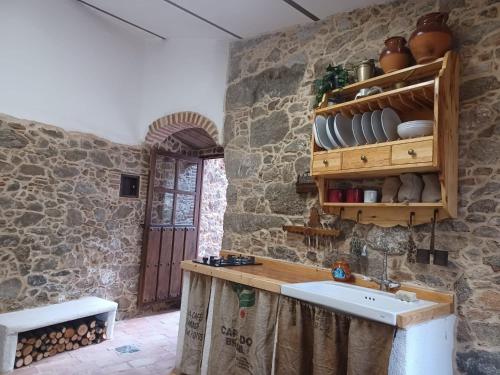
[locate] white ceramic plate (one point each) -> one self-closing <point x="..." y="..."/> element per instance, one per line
<point x="377" y="126"/>
<point x="316" y="138"/>
<point x="366" y="126"/>
<point x="390" y="122"/>
<point x="414" y="129"/>
<point x="330" y="131"/>
<point x="357" y="130"/>
<point x="320" y="123"/>
<point x="343" y="130"/>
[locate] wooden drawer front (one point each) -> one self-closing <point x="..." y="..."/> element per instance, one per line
<point x="366" y="158"/>
<point x="413" y="152"/>
<point x="326" y="163"/>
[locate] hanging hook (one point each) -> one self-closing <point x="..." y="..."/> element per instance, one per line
<point x="341" y="213"/>
<point x="412" y="216"/>
<point x="357" y="216"/>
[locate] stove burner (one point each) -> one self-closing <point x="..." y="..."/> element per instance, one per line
<point x="230" y="260"/>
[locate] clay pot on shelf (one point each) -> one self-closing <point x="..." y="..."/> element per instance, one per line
<point x="432" y="38"/>
<point x="395" y="55"/>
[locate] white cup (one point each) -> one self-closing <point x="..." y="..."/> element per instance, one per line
<point x="370" y="196"/>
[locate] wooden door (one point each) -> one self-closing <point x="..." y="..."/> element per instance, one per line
<point x="171" y="224"/>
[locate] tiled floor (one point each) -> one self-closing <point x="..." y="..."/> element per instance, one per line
<point x="155" y="337"/>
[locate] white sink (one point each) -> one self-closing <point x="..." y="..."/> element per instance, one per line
<point x="363" y="302"/>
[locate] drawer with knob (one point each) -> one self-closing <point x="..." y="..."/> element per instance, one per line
<point x="366" y="157"/>
<point x="412" y="152"/>
<point x="326" y="163"/>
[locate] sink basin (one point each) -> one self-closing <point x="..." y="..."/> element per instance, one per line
<point x="364" y="302"/>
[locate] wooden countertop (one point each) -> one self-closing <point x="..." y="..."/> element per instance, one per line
<point x="273" y="273"/>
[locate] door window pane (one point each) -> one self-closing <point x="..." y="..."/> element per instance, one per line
<point x="187" y="176"/>
<point x="161" y="213"/>
<point x="165" y="172"/>
<point x="184" y="209"/>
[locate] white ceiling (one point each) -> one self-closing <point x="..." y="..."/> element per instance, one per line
<point x="245" y="18"/>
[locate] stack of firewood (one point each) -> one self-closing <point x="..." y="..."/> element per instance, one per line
<point x="46" y="342"/>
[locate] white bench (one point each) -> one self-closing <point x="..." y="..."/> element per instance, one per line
<point x="15" y="322"/>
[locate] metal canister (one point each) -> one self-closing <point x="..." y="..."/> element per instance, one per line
<point x="365" y="70"/>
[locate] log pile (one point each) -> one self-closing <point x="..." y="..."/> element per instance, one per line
<point x="46" y="342"/>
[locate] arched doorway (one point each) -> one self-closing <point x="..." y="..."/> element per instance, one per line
<point x="186" y="202"/>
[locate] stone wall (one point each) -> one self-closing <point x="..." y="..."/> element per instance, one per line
<point x="64" y="231"/>
<point x="213" y="206"/>
<point x="267" y="143"/>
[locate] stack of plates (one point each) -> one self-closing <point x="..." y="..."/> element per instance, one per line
<point x="370" y="127"/>
<point x="341" y="131"/>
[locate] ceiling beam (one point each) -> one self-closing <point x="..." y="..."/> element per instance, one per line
<point x="202" y="19"/>
<point x="122" y="19"/>
<point x="301" y="9"/>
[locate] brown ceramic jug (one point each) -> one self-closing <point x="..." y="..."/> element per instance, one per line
<point x="395" y="55"/>
<point x="432" y="38"/>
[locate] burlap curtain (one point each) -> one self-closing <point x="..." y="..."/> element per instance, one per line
<point x="243" y="330"/>
<point x="316" y="341"/>
<point x="196" y="322"/>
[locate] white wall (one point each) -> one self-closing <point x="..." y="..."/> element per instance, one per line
<point x="185" y="75"/>
<point x="64" y="64"/>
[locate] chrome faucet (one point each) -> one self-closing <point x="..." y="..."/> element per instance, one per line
<point x="384" y="282"/>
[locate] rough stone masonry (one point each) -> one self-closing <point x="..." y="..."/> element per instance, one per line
<point x="267" y="143"/>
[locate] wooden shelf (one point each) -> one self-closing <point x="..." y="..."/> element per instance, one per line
<point x="374" y="205"/>
<point x="409" y="74"/>
<point x="388" y="143"/>
<point x="432" y="94"/>
<point x="417" y="97"/>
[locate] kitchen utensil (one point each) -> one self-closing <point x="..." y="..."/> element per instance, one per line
<point x="354" y="195"/>
<point x="330" y="132"/>
<point x="411" y="255"/>
<point x="440" y="257"/>
<point x="343" y="130"/>
<point x="417" y="128"/>
<point x="336" y="195"/>
<point x="320" y="123"/>
<point x="357" y="129"/>
<point x="365" y="70"/>
<point x="370" y="196"/>
<point x="366" y="126"/>
<point x="390" y="122"/>
<point x="377" y="126"/>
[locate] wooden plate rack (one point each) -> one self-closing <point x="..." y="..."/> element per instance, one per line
<point x="431" y="93"/>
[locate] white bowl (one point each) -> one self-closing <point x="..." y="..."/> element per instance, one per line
<point x="343" y="130"/>
<point x="414" y="129"/>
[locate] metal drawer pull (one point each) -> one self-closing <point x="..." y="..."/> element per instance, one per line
<point x="364" y="158"/>
<point x="412" y="152"/>
<point x="325" y="162"/>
